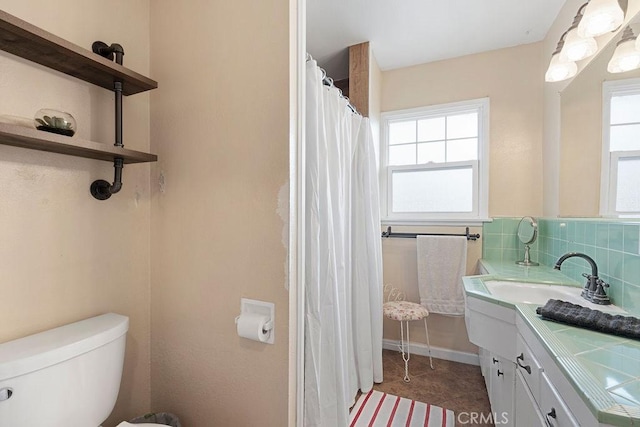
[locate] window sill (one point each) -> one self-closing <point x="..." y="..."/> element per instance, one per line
<point x="451" y="222"/>
<point x="629" y="217"/>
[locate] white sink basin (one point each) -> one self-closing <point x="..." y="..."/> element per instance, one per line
<point x="538" y="293"/>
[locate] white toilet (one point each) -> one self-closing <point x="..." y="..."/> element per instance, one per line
<point x="64" y="377"/>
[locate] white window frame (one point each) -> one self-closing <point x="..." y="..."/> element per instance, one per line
<point x="480" y="167"/>
<point x="609" y="165"/>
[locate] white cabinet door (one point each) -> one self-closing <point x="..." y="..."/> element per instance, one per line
<point x="492" y="378"/>
<point x="485" y="368"/>
<point x="527" y="413"/>
<point x="502" y="390"/>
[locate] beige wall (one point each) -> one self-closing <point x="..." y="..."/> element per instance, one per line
<point x="564" y="193"/>
<point x="581" y="141"/>
<point x="64" y="255"/>
<point x="511" y="79"/>
<point x="220" y="127"/>
<point x="401" y="271"/>
<point x="580" y="148"/>
<point x="551" y="127"/>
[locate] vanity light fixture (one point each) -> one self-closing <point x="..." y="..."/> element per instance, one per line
<point x="593" y="18"/>
<point x="600" y="17"/>
<point x="626" y="56"/>
<point x="560" y="69"/>
<point x="577" y="47"/>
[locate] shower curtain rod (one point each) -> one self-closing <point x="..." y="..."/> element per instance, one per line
<point x="328" y="81"/>
<point x="389" y="233"/>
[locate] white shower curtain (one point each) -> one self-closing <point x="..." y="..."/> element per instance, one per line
<point x="343" y="258"/>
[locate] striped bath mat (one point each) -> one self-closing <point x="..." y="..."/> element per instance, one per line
<point x="376" y="409"/>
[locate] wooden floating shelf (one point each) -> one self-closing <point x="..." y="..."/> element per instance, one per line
<point x="30" y="42"/>
<point x="24" y="137"/>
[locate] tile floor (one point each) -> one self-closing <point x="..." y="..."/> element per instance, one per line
<point x="456" y="386"/>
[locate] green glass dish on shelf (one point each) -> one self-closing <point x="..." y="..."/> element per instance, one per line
<point x="56" y="122"/>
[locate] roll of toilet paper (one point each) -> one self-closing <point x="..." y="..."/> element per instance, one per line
<point x="251" y="326"/>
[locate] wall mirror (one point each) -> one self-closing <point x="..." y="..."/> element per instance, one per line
<point x="527" y="233"/>
<point x="582" y="131"/>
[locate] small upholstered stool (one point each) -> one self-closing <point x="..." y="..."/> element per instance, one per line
<point x="404" y="312"/>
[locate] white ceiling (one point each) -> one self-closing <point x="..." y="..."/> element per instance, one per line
<point x="409" y="32"/>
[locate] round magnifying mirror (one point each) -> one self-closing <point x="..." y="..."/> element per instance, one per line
<point x="527" y="233"/>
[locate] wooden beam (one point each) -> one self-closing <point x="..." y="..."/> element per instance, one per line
<point x="359" y="77"/>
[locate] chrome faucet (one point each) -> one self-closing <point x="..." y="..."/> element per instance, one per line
<point x="594" y="288"/>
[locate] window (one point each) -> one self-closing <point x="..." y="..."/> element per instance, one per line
<point x="435" y="163"/>
<point x="620" y="188"/>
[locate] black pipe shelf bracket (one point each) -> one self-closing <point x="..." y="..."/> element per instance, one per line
<point x="101" y="189"/>
<point x="102" y="66"/>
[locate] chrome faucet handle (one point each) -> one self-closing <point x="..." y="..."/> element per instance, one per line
<point x="590" y="280"/>
<point x="600" y="296"/>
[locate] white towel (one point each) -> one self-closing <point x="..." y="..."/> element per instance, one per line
<point x="442" y="261"/>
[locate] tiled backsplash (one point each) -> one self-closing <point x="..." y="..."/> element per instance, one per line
<point x="500" y="241"/>
<point x="614" y="245"/>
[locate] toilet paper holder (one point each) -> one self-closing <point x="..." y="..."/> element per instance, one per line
<point x="263" y="308"/>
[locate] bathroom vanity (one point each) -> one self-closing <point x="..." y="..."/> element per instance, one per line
<point x="541" y="373"/>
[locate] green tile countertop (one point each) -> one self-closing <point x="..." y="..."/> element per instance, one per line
<point x="603" y="369"/>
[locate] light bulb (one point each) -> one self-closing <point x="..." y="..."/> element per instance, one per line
<point x="577" y="48"/>
<point x="629" y="63"/>
<point x="600" y="16"/>
<point x="560" y="70"/>
<point x="625" y="58"/>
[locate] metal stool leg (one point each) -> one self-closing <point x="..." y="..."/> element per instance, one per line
<point x="405" y="355"/>
<point x="426" y="329"/>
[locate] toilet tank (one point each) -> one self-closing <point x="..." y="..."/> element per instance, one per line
<point x="63" y="377"/>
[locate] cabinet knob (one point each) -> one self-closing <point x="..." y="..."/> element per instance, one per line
<point x="551" y="414"/>
<point x="5" y="393"/>
<point x="500" y="373"/>
<point x="527" y="367"/>
<point x="495" y="360"/>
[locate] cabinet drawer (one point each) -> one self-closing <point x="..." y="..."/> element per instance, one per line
<point x="529" y="366"/>
<point x="527" y="413"/>
<point x="552" y="405"/>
